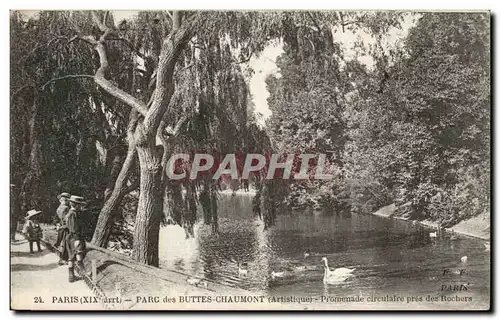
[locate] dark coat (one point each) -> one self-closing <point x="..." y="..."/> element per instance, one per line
<point x="75" y="242"/>
<point x="62" y="211"/>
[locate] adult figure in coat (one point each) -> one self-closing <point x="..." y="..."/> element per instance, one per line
<point x="75" y="241"/>
<point x="62" y="228"/>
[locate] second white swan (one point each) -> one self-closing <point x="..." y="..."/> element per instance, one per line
<point x="335" y="275"/>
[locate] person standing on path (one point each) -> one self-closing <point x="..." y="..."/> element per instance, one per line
<point x="62" y="230"/>
<point x="32" y="230"/>
<point x="75" y="242"/>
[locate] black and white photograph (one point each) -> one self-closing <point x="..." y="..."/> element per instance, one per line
<point x="283" y="160"/>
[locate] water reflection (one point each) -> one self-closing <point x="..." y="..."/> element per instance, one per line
<point x="390" y="256"/>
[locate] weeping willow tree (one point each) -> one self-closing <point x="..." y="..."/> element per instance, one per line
<point x="217" y="125"/>
<point x="174" y="47"/>
<point x="58" y="120"/>
<point x="270" y="194"/>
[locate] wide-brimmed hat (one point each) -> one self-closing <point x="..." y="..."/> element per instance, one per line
<point x="31" y="213"/>
<point x="64" y="195"/>
<point x="77" y="199"/>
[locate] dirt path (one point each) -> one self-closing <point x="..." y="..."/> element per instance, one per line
<point x="37" y="276"/>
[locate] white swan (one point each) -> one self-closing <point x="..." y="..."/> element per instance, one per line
<point x="300" y="268"/>
<point x="197" y="281"/>
<point x="277" y="274"/>
<point x="243" y="269"/>
<point x="433" y="234"/>
<point x="487" y="246"/>
<point x="453" y="236"/>
<point x="463" y="259"/>
<point x="336" y="275"/>
<point x="194" y="281"/>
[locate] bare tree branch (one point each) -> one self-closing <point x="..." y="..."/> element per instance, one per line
<point x="89" y="39"/>
<point x="312" y="45"/>
<point x="100" y="76"/>
<point x="345" y="24"/>
<point x="189" y="66"/>
<point x="106" y="13"/>
<point x="151" y="98"/>
<point x="351" y="22"/>
<point x="171" y="49"/>
<point x="303" y="25"/>
<point x="134" y="185"/>
<point x="176" y="20"/>
<point x="341" y="18"/>
<point x="100" y="24"/>
<point x="107" y="85"/>
<point x="191" y="61"/>
<point x="67" y="77"/>
<point x="178" y="126"/>
<point x="314" y="21"/>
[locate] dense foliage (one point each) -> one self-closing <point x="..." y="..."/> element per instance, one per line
<point x="411" y="129"/>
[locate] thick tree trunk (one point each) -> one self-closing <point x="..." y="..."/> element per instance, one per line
<point x="150" y="207"/>
<point x="149" y="211"/>
<point x="14" y="210"/>
<point x="31" y="190"/>
<point x="103" y="227"/>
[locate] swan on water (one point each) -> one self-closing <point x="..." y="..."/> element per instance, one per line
<point x="453" y="235"/>
<point x="433" y="234"/>
<point x="196" y="281"/>
<point x="463" y="259"/>
<point x="243" y="269"/>
<point x="307" y="254"/>
<point x="277" y="274"/>
<point x="300" y="268"/>
<point x="336" y="275"/>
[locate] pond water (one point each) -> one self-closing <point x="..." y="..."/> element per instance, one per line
<point x="391" y="257"/>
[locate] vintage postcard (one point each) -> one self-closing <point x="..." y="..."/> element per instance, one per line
<point x="250" y="160"/>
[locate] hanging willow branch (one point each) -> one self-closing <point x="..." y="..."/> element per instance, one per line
<point x="71" y="76"/>
<point x="20" y="90"/>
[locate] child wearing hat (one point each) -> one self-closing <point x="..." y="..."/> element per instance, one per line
<point x="75" y="241"/>
<point x="32" y="230"/>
